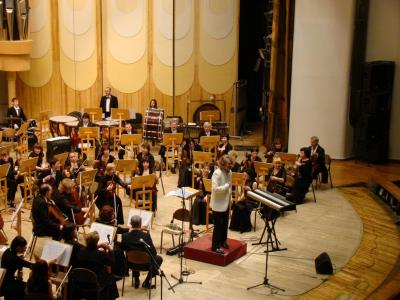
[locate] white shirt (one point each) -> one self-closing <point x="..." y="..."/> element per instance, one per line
<point x="17" y="109"/>
<point x="108" y="100"/>
<point x="221" y="190"/>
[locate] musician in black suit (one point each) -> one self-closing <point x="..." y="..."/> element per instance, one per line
<point x="318" y="158"/>
<point x="52" y="176"/>
<point x="43" y="225"/>
<point x="85" y="121"/>
<point x="206" y="130"/>
<point x="127" y="130"/>
<point x="132" y="241"/>
<point x="107" y="102"/>
<point x="17" y="112"/>
<point x="172" y="129"/>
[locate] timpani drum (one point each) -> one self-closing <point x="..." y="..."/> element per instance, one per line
<point x="153" y="124"/>
<point x="57" y="123"/>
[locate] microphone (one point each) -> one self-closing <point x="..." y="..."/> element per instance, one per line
<point x="108" y="238"/>
<point x="144" y="243"/>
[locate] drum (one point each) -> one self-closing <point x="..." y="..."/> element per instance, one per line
<point x="57" y="127"/>
<point x="70" y="128"/>
<point x="221" y="127"/>
<point x="153" y="124"/>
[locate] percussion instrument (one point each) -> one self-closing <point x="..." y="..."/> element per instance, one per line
<point x="153" y="124"/>
<point x="272" y="200"/>
<point x="57" y="145"/>
<point x="221" y="127"/>
<point x="57" y="123"/>
<point x="105" y="128"/>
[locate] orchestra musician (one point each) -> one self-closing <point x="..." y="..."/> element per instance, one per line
<point x="318" y="158"/>
<point x="242" y="208"/>
<point x="302" y="176"/>
<point x="13" y="287"/>
<point x="17" y="112"/>
<point x="275" y="147"/>
<point x="107" y="102"/>
<point x="220" y="199"/>
<point x="38" y="152"/>
<point x="12" y="177"/>
<point x="104" y="158"/>
<point x="224" y="147"/>
<point x="145" y="151"/>
<point x="145" y="169"/>
<point x="98" y="257"/>
<point x="132" y="241"/>
<point x="85" y="122"/>
<point x="249" y="160"/>
<point x="106" y="192"/>
<point x="276" y="175"/>
<point x="46" y="220"/>
<point x="127" y="130"/>
<point x="172" y="129"/>
<point x="65" y="201"/>
<point x="70" y="237"/>
<point x="52" y="175"/>
<point x="72" y="166"/>
<point x="206" y="130"/>
<point x="39" y="282"/>
<point x="199" y="207"/>
<point x="236" y="166"/>
<point x="153" y="103"/>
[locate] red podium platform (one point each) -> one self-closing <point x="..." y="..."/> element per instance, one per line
<point x="200" y="250"/>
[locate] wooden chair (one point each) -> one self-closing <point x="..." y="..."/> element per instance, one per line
<point x="199" y="159"/>
<point x="3" y="184"/>
<point x="85" y="280"/>
<point x="208" y="188"/>
<point x="88" y="136"/>
<point x="174" y="229"/>
<point x="22" y="149"/>
<point x="262" y="169"/>
<point x="328" y="162"/>
<point x="210" y="144"/>
<point x="172" y="143"/>
<point x="28" y="171"/>
<point x="43" y="132"/>
<point x="138" y="258"/>
<point x="143" y="188"/>
<point x="125" y="168"/>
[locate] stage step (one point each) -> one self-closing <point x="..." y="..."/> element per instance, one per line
<point x="200" y="250"/>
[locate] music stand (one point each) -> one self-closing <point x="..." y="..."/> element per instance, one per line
<point x="172" y="141"/>
<point x="210" y="115"/>
<point x="23" y="129"/>
<point x="132" y="140"/>
<point x="199" y="158"/>
<point x="3" y="180"/>
<point x="16" y="219"/>
<point x="95" y="113"/>
<point x="62" y="157"/>
<point x="182" y="273"/>
<point x="88" y="135"/>
<point x="126" y="166"/>
<point x="120" y="114"/>
<point x="86" y="179"/>
<point x="28" y="168"/>
<point x="210" y="143"/>
<point x="142" y="184"/>
<point x="262" y="169"/>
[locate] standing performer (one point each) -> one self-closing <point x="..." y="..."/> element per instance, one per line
<point x="220" y="198"/>
<point x="17" y="112"/>
<point x="107" y="102"/>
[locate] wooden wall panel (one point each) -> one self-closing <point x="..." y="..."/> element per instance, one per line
<point x="57" y="97"/>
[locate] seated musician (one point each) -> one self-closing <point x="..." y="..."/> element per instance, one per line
<point x="236" y="166"/>
<point x="17" y="112"/>
<point x="39" y="282"/>
<point x="199" y="207"/>
<point x="276" y="176"/>
<point x="206" y="130"/>
<point x="70" y="237"/>
<point x="127" y="130"/>
<point x="98" y="258"/>
<point x="44" y="222"/>
<point x="249" y="160"/>
<point x="302" y="176"/>
<point x="275" y="147"/>
<point x="38" y="152"/>
<point x="107" y="102"/>
<point x="131" y="241"/>
<point x="64" y="199"/>
<point x="13" y="286"/>
<point x="72" y="166"/>
<point x="52" y="175"/>
<point x="318" y="159"/>
<point x="144" y="150"/>
<point x="224" y="147"/>
<point x="185" y="168"/>
<point x="85" y="122"/>
<point x="145" y="169"/>
<point x="172" y="129"/>
<point x="12" y="177"/>
<point x="241" y="209"/>
<point x="104" y="158"/>
<point x="106" y="192"/>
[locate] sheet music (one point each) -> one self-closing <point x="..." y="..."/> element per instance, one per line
<point x="181" y="193"/>
<point x="60" y="252"/>
<point x="104" y="231"/>
<point x="144" y="214"/>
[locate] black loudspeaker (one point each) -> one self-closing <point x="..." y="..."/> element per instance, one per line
<point x="323" y="264"/>
<point x="57" y="145"/>
<point x="373" y="119"/>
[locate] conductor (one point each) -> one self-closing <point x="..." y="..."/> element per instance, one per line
<point x="220" y="198"/>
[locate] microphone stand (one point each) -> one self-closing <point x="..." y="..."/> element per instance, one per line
<point x="160" y="271"/>
<point x="162" y="182"/>
<point x="181" y="244"/>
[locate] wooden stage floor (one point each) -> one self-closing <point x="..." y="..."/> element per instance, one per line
<point x="346" y="222"/>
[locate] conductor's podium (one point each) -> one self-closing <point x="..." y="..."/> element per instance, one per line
<point x="200" y="250"/>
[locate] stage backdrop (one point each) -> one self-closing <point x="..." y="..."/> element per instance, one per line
<point x="81" y="47"/>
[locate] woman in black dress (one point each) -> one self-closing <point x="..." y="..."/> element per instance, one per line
<point x="303" y="176"/>
<point x="199" y="207"/>
<point x="13" y="287"/>
<point x="276" y="176"/>
<point x="39" y="283"/>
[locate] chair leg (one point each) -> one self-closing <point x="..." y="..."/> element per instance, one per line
<point x="255" y="220"/>
<point x="330" y="177"/>
<point x="313" y="191"/>
<point x="123" y="286"/>
<point x="162" y="234"/>
<point x="173" y="240"/>
<point x="32" y="249"/>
